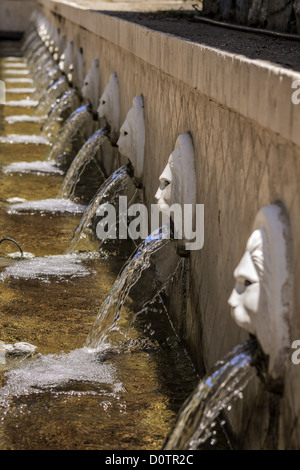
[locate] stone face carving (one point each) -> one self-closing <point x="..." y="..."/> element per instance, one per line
<point x="61" y="46"/>
<point x="109" y="107"/>
<point x="131" y="141"/>
<point x="178" y="179"/>
<point x="66" y="62"/>
<point x="43" y="30"/>
<point x="77" y="72"/>
<point x="261" y="301"/>
<point x="90" y="88"/>
<point x="52" y="32"/>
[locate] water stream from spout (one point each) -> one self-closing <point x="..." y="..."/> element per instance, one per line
<point x="84" y="156"/>
<point x="78" y="121"/>
<point x="50" y="96"/>
<point x="214" y="393"/>
<point x="65" y="106"/>
<point x="46" y="81"/>
<point x="109" y="312"/>
<point x="112" y="186"/>
<point x="42" y="65"/>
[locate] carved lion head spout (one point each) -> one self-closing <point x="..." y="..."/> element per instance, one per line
<point x="178" y="188"/>
<point x="261" y="300"/>
<point x="131" y="141"/>
<point x="90" y="88"/>
<point x="66" y="62"/>
<point x="178" y="179"/>
<point x="109" y="107"/>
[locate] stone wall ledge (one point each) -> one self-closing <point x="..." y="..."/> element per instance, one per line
<point x="256" y="89"/>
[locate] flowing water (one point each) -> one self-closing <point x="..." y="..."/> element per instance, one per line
<point x="68" y="395"/>
<point x="50" y="97"/>
<point x="197" y="418"/>
<point x="68" y="102"/>
<point x="80" y="122"/>
<point x="109" y="314"/>
<point x="113" y="187"/>
<point x="84" y="156"/>
<point x="46" y="81"/>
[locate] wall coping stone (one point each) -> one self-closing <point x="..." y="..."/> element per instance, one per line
<point x="259" y="90"/>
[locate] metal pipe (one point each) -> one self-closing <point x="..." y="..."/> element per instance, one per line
<point x="13" y="241"/>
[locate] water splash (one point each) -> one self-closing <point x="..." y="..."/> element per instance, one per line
<point x="114" y="184"/>
<point x="16" y="72"/>
<point x="15" y="65"/>
<point x="24" y="139"/>
<point x="78" y="121"/>
<point x="20" y="90"/>
<point x="109" y="312"/>
<point x="84" y="156"/>
<point x="60" y="266"/>
<point x="19" y="80"/>
<point x="55" y="372"/>
<point x="12" y="59"/>
<point x="24" y="118"/>
<point x="47" y="205"/>
<point x="213" y="394"/>
<point x="22" y="103"/>
<point x="37" y="167"/>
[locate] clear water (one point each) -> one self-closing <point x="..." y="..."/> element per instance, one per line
<point x="25" y="103"/>
<point x="39" y="167"/>
<point x="53" y="93"/>
<point x="45" y="81"/>
<point x="109" y="313"/>
<point x="21" y="90"/>
<point x="113" y="187"/>
<point x="24" y="118"/>
<point x="47" y="205"/>
<point x="60" y="266"/>
<point x="62" y="109"/>
<point x="214" y="393"/>
<point x="80" y="122"/>
<point x="84" y="156"/>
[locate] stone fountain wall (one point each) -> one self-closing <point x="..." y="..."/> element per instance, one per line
<point x="245" y="131"/>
